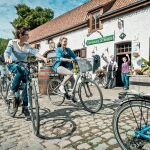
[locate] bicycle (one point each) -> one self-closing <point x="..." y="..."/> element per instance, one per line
<point x="86" y="89"/>
<point x="33" y="106"/>
<point x="131" y="121"/>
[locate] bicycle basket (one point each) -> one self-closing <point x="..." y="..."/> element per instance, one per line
<point x="84" y="65"/>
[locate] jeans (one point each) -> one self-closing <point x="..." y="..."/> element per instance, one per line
<point x="20" y="73"/>
<point x="125" y="79"/>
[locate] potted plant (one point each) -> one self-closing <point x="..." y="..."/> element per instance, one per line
<point x="100" y="72"/>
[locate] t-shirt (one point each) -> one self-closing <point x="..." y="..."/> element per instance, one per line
<point x="63" y="63"/>
<point x="17" y="53"/>
<point x="125" y="67"/>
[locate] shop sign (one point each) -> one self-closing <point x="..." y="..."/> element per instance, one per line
<point x="100" y="40"/>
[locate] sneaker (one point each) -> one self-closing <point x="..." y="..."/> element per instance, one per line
<point x="126" y="88"/>
<point x="62" y="90"/>
<point x="26" y="111"/>
<point x="11" y="95"/>
<point x="75" y="100"/>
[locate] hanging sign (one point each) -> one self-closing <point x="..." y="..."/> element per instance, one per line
<point x="100" y="40"/>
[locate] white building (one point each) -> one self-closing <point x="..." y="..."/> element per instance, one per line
<point x="97" y="25"/>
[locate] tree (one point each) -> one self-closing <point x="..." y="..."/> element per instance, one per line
<point x="32" y="18"/>
<point x="3" y="45"/>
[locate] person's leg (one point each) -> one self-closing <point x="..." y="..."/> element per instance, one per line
<point x="111" y="83"/>
<point x="67" y="75"/>
<point x="19" y="73"/>
<point x="108" y="79"/>
<point x="123" y="78"/>
<point x="127" y="81"/>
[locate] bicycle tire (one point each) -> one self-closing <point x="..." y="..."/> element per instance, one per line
<point x="119" y="130"/>
<point x="96" y="91"/>
<point x="34" y="109"/>
<point x="3" y="86"/>
<point x="55" y="97"/>
<point x="11" y="105"/>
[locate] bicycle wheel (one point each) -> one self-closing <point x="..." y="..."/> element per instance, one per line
<point x="54" y="95"/>
<point x="11" y="105"/>
<point x="34" y="107"/>
<point x="3" y="86"/>
<point x="129" y="118"/>
<point x="90" y="95"/>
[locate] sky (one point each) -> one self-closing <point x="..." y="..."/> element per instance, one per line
<point x="8" y="11"/>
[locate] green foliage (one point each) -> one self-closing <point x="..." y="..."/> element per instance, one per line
<point x="3" y="45"/>
<point x="75" y="68"/>
<point x="32" y="18"/>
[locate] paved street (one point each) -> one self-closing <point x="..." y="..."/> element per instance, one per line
<point x="66" y="127"/>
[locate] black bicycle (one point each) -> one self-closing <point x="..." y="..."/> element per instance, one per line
<point x="33" y="106"/>
<point x="89" y="92"/>
<point x="131" y="121"/>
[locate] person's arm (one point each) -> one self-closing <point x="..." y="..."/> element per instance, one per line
<point x="73" y="55"/>
<point x="7" y="52"/>
<point x="128" y="58"/>
<point x="116" y="66"/>
<point x="36" y="53"/>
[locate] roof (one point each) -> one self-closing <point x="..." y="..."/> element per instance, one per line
<point x="121" y="3"/>
<point x="72" y="18"/>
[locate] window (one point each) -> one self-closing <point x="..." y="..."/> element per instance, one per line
<point x="81" y="52"/>
<point x="95" y="20"/>
<point x="37" y="46"/>
<point x="123" y="48"/>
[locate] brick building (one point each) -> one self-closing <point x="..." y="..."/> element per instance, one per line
<point x="113" y="27"/>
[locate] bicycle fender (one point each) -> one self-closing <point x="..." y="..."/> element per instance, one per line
<point x="137" y="100"/>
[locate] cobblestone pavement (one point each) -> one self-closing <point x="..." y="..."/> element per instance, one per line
<point x="66" y="127"/>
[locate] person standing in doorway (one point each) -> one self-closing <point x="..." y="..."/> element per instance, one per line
<point x="125" y="72"/>
<point x="112" y="68"/>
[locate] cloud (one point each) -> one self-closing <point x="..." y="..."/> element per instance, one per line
<point x="8" y="11"/>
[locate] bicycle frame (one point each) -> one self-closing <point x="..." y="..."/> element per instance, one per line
<point x="141" y="133"/>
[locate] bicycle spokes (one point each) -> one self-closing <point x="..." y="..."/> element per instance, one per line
<point x="131" y="125"/>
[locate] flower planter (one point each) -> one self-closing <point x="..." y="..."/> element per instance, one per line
<point x="140" y="83"/>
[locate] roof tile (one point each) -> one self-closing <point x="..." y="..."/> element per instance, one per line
<point x="71" y="18"/>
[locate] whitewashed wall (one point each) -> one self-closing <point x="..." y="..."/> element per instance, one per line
<point x="135" y="23"/>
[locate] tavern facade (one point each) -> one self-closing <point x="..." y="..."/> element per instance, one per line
<point x="112" y="27"/>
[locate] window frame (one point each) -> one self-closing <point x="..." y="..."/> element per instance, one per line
<point x="100" y="24"/>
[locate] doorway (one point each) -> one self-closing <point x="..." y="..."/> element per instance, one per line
<point x="121" y="50"/>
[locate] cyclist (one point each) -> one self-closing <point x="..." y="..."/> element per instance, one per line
<point x="18" y="50"/>
<point x="63" y="64"/>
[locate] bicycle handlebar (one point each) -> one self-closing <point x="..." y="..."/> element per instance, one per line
<point x="26" y="62"/>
